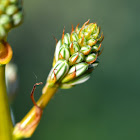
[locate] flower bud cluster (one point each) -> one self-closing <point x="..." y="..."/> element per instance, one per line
<point x="76" y="55"/>
<point x="11" y="15"/>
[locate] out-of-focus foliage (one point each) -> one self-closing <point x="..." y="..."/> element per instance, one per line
<point x="106" y="107"/>
<point x="11" y="80"/>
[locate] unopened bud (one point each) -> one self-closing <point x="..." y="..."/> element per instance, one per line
<point x="80" y="50"/>
<point x="5" y="21"/>
<point x="4" y="2"/>
<point x="64" y="52"/>
<point x="91" y="58"/>
<point x="17" y="18"/>
<point x="2" y="8"/>
<point x="11" y="9"/>
<point x="75" y="71"/>
<point x="67" y="38"/>
<point x="92" y="66"/>
<point x="58" y="72"/>
<point x="76" y="58"/>
<point x="3" y="33"/>
<point x="95" y="48"/>
<point x="13" y="1"/>
<point x="76" y="81"/>
<point x="96" y="33"/>
<point x="82" y="41"/>
<point x="74" y="37"/>
<point x="91" y="42"/>
<point x="85" y="50"/>
<point x="74" y="47"/>
<point x="93" y="28"/>
<point x="58" y="46"/>
<point x="77" y="30"/>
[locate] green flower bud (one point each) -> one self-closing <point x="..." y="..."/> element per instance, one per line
<point x="76" y="58"/>
<point x="93" y="28"/>
<point x="82" y="41"/>
<point x="80" y="50"/>
<point x="92" y="66"/>
<point x="58" y="46"/>
<point x="64" y="52"/>
<point x="5" y="20"/>
<point x="74" y="36"/>
<point x="95" y="48"/>
<point x="4" y="2"/>
<point x="67" y="38"/>
<point x="9" y="17"/>
<point x="11" y="9"/>
<point x="75" y="71"/>
<point x="3" y="33"/>
<point x="13" y="1"/>
<point x="2" y="8"/>
<point x="17" y="18"/>
<point x="76" y="81"/>
<point x="90" y="29"/>
<point x="86" y="29"/>
<point x="77" y="30"/>
<point x="91" y="58"/>
<point x="74" y="47"/>
<point x="85" y="50"/>
<point x="96" y="33"/>
<point x="91" y="42"/>
<point x="58" y="72"/>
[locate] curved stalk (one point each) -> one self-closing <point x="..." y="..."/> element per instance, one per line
<point x="5" y="117"/>
<point x="26" y="127"/>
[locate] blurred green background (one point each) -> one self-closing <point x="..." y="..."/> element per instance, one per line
<point x="106" y="107"/>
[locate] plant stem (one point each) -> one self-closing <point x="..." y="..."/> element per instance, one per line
<point x="42" y="102"/>
<point x="6" y="126"/>
<point x="20" y="130"/>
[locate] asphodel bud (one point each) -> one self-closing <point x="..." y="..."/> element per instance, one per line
<point x="64" y="52"/>
<point x="11" y="9"/>
<point x="92" y="66"/>
<point x="5" y="21"/>
<point x="85" y="50"/>
<point x="17" y="18"/>
<point x="58" y="72"/>
<point x="75" y="81"/>
<point x="96" y="48"/>
<point x="74" y="47"/>
<point x="91" y="42"/>
<point x="14" y="1"/>
<point x="67" y="38"/>
<point x="3" y="32"/>
<point x="76" y="56"/>
<point x="75" y="71"/>
<point x="74" y="36"/>
<point x="91" y="58"/>
<point x="11" y="15"/>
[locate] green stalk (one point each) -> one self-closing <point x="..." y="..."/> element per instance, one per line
<point x="6" y="126"/>
<point x="22" y="129"/>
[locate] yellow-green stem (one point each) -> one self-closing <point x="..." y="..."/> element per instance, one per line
<point x="42" y="102"/>
<point x="20" y="132"/>
<point x="6" y="126"/>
